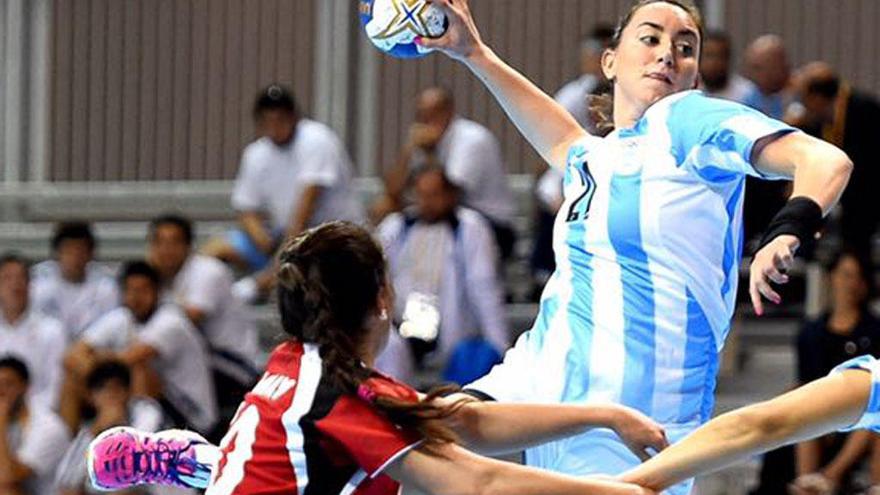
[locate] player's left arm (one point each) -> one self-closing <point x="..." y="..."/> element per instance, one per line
<point x="820" y="172"/>
<point x="789" y="418"/>
<point x="494" y="428"/>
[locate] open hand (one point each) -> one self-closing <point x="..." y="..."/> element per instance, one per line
<point x="771" y="264"/>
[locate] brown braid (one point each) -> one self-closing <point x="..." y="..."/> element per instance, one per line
<point x="329" y="279"/>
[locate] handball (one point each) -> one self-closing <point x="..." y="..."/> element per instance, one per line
<point x="393" y="25"/>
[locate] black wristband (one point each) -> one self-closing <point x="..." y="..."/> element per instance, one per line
<point x="800" y="217"/>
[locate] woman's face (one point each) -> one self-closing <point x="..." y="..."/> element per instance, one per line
<point x="657" y="55"/>
<point x="847" y="285"/>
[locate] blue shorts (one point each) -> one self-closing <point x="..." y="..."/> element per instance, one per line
<point x="249" y="252"/>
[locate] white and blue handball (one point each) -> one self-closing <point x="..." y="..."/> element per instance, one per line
<point x="393" y="25"/>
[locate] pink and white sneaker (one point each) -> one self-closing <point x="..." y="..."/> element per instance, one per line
<point x="123" y="457"/>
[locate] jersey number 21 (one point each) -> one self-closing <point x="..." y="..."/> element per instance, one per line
<point x="580" y="207"/>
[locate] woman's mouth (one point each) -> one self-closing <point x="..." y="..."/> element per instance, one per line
<point x="659" y="76"/>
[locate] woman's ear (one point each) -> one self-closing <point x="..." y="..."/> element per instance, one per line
<point x="609" y="64"/>
<point x="383" y="303"/>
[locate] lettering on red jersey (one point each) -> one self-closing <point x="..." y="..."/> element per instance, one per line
<point x="297" y="433"/>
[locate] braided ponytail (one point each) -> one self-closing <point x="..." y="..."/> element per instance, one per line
<point x="330" y="278"/>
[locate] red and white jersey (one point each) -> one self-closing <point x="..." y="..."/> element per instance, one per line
<point x="296" y="433"/>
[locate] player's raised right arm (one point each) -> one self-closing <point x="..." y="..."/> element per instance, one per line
<point x="544" y="123"/>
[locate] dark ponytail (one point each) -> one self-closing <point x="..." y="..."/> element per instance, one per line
<point x="330" y="278"/>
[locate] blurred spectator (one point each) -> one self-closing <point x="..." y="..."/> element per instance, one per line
<point x="33" y="438"/>
<point x="715" y="71"/>
<point x="444" y="267"/>
<point x="397" y="360"/>
<point x="296" y="175"/>
<point x="167" y="356"/>
<point x="835" y="112"/>
<point x="202" y="287"/>
<point x="109" y="395"/>
<point x="766" y="66"/>
<point x="471" y="156"/>
<point x="34" y="338"/>
<point x="847" y="330"/>
<point x="575" y="95"/>
<point x="71" y="287"/>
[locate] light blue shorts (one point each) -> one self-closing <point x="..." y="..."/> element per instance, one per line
<point x="597" y="451"/>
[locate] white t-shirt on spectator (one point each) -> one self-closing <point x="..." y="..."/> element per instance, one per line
<point x="183" y="363"/>
<point x="471" y="156"/>
<point x="272" y="178"/>
<point x="39" y="341"/>
<point x="459" y="267"/>
<point x="206" y="284"/>
<point x="39" y="444"/>
<point x="76" y="305"/>
<point x="574" y="97"/>
<point x="736" y="89"/>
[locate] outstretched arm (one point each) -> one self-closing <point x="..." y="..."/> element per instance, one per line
<point x="819" y="407"/>
<point x="548" y="127"/>
<point x="493" y="428"/>
<point x="453" y="470"/>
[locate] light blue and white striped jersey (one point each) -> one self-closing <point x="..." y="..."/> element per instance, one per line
<point x="647" y="245"/>
<point x="871" y="416"/>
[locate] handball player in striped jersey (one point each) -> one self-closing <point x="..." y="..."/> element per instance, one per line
<point x="648" y="241"/>
<point x="322" y="421"/>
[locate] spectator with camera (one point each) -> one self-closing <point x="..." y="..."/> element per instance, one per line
<point x="443" y="264"/>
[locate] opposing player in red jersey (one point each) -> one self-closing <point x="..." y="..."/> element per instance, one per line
<point x="322" y="421"/>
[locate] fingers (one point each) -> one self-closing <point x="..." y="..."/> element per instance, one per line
<point x="755" y="296"/>
<point x="639" y="451"/>
<point x="775" y="274"/>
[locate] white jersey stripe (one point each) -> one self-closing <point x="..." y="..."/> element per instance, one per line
<point x="353" y="483"/>
<point x="309" y="377"/>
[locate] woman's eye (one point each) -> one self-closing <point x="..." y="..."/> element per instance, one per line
<point x="650" y="39"/>
<point x="686" y="49"/>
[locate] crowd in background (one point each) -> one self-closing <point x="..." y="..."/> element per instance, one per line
<point x="170" y="341"/>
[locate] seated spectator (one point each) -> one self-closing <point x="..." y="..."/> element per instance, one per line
<point x="71" y="287"/>
<point x="444" y="267"/>
<point x="575" y="95"/>
<point x="202" y="287"/>
<point x="33" y="438"/>
<point x="766" y="65"/>
<point x="836" y="112"/>
<point x="30" y="336"/>
<point x="847" y="330"/>
<point x="716" y="75"/>
<point x="296" y="175"/>
<point x="165" y="352"/>
<point x="472" y="159"/>
<point x="109" y="395"/>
